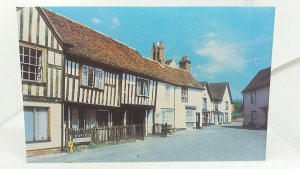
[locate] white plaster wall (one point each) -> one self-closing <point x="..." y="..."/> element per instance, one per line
<point x="194" y="99"/>
<point x="55" y="123"/>
<point x="222" y="106"/>
<point x="262" y="99"/>
<point x="161" y="101"/>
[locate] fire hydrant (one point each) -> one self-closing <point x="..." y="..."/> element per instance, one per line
<point x="71" y="146"/>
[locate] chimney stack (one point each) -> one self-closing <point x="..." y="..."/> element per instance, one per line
<point x="185" y="63"/>
<point x="158" y="52"/>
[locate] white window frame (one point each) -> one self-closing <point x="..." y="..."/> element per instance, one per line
<point x="97" y="77"/>
<point x="34" y="68"/>
<point x="167" y="116"/>
<point x="204" y="100"/>
<point x="226" y="105"/>
<point x="190" y="115"/>
<point x="184" y="94"/>
<point x="142" y="87"/>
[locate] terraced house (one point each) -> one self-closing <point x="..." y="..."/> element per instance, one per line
<point x="74" y="77"/>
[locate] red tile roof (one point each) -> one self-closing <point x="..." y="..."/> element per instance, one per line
<point x="82" y="41"/>
<point x="261" y="79"/>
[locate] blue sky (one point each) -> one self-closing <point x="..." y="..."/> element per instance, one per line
<point x="223" y="43"/>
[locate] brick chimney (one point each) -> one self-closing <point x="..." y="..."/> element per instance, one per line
<point x="185" y="63"/>
<point x="158" y="52"/>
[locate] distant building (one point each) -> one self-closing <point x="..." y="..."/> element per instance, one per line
<point x="256" y="99"/>
<point x="217" y="103"/>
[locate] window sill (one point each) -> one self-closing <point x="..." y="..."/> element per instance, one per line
<point x="142" y="96"/>
<point x="92" y="88"/>
<point x="38" y="141"/>
<point x="33" y="82"/>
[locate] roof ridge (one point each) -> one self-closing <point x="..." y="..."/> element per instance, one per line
<point x="90" y="28"/>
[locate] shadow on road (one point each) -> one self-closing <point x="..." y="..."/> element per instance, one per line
<point x="242" y="127"/>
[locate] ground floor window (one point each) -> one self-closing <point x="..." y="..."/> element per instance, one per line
<point x="167" y="116"/>
<point x="190" y="115"/>
<point x="36" y="124"/>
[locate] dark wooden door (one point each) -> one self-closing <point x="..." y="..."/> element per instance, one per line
<point x="197" y="120"/>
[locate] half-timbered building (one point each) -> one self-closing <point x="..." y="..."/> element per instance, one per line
<point x="41" y="63"/>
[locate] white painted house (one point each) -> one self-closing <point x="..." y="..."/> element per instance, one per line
<point x="178" y="103"/>
<point x="256" y="99"/>
<point x="220" y="103"/>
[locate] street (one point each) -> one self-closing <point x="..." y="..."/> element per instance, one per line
<point x="212" y="143"/>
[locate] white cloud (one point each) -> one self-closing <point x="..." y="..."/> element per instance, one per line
<point x="223" y="56"/>
<point x="96" y="21"/>
<point x="115" y="22"/>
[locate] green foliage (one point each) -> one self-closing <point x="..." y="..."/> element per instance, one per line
<point x="238" y="109"/>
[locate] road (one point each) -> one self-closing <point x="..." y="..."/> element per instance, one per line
<point x="221" y="143"/>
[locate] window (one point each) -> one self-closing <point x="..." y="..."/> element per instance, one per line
<point x="31" y="64"/>
<point x="205" y="103"/>
<point x="167" y="116"/>
<point x="167" y="92"/>
<point x="142" y="87"/>
<point x="190" y="115"/>
<point x="216" y="106"/>
<point x="253" y="96"/>
<point x="184" y="94"/>
<point x="92" y="77"/>
<point x="36" y="124"/>
<point x="226" y="105"/>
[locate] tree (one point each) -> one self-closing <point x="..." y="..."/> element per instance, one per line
<point x="238" y="108"/>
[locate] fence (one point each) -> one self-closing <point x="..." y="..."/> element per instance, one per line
<point x="104" y="134"/>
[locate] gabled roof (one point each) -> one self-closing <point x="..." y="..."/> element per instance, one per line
<point x="81" y="41"/>
<point x="261" y="79"/>
<point x="217" y="90"/>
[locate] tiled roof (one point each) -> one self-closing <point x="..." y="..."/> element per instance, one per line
<point x="167" y="62"/>
<point x="261" y="79"/>
<point x="84" y="42"/>
<point x="217" y="90"/>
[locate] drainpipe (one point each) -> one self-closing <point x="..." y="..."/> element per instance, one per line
<point x="174" y="106"/>
<point x="62" y="95"/>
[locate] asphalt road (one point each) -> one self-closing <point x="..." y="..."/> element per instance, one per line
<point x="213" y="143"/>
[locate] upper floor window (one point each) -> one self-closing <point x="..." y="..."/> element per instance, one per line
<point x="226" y="105"/>
<point x="216" y="106"/>
<point x="204" y="103"/>
<point x="92" y="77"/>
<point x="31" y="64"/>
<point x="184" y="94"/>
<point x="253" y="96"/>
<point x="167" y="92"/>
<point x="142" y="87"/>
